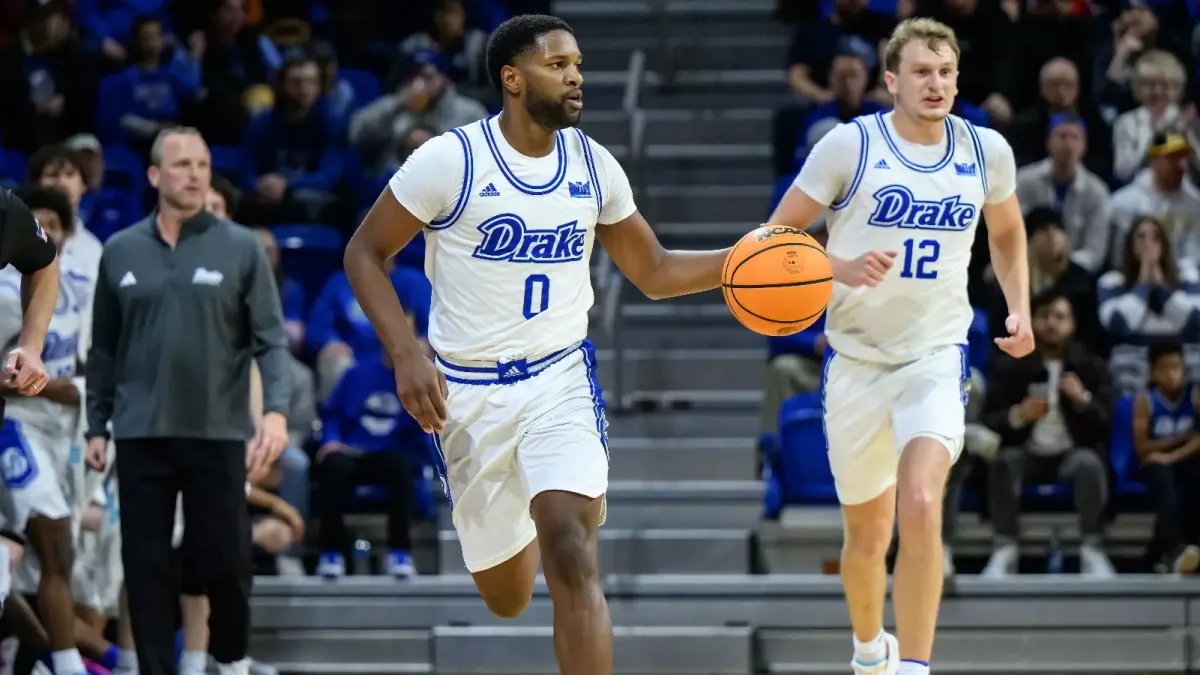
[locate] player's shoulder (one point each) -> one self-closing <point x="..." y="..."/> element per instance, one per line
<point x="846" y="137"/>
<point x="990" y="140"/>
<point x="592" y="146"/>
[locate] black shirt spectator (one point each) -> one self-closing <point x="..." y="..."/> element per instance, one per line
<point x="850" y="29"/>
<point x="985" y="36"/>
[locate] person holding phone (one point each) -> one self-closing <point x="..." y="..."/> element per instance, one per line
<point x="1051" y="411"/>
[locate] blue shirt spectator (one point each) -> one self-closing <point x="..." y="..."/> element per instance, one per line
<point x="113" y="19"/>
<point x="364" y="414"/>
<point x="336" y="316"/>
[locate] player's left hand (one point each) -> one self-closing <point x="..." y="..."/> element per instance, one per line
<point x="269" y="441"/>
<point x="1019" y="342"/>
<point x="25" y="371"/>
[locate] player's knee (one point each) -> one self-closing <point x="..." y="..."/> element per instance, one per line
<point x="868" y="541"/>
<point x="566" y="556"/>
<point x="919" y="511"/>
<point x="508" y="604"/>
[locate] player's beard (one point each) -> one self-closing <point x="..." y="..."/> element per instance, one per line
<point x="548" y="112"/>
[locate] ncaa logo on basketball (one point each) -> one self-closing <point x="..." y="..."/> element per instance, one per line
<point x="767" y="232"/>
<point x="896" y="206"/>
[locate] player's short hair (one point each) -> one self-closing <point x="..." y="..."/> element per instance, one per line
<point x="50" y="157"/>
<point x="1159" y="350"/>
<point x="48" y="199"/>
<point x="934" y="34"/>
<point x="515" y="37"/>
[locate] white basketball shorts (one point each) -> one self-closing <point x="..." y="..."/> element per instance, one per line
<point x="514" y="430"/>
<point x="873" y="410"/>
<point x="33" y="464"/>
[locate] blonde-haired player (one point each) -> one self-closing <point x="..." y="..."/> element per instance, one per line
<point x="901" y="224"/>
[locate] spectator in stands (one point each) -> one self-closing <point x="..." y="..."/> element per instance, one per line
<point x="1060" y="182"/>
<point x="459" y="49"/>
<point x="110" y="24"/>
<point x="339" y="332"/>
<point x="338" y="93"/>
<point x="985" y="69"/>
<point x="1049" y="31"/>
<point x="1051" y="411"/>
<point x="1052" y="270"/>
<point x="148" y="96"/>
<point x="979" y="446"/>
<point x="850" y="28"/>
<point x="234" y="65"/>
<point x="294" y="154"/>
<point x="1134" y="32"/>
<point x="60" y="169"/>
<point x="1151" y="298"/>
<point x="848" y="84"/>
<point x="1167" y="444"/>
<point x="425" y="97"/>
<point x="1157" y="84"/>
<point x="793" y="367"/>
<point x="291" y="292"/>
<point x="1164" y="191"/>
<point x="47" y="80"/>
<point x="112" y="199"/>
<point x="367" y="437"/>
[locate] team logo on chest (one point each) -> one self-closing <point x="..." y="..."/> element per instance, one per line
<point x="506" y="237"/>
<point x="896" y="206"/>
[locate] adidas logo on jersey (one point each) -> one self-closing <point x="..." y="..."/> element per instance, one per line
<point x="489" y="191"/>
<point x="881" y="164"/>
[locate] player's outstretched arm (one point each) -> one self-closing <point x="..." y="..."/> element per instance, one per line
<point x="799" y="210"/>
<point x="1006" y="240"/>
<point x="657" y="272"/>
<point x="387" y="228"/>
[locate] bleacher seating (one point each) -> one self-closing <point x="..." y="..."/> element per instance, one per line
<point x="309" y="253"/>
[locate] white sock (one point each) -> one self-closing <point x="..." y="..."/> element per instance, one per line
<point x="193" y="663"/>
<point x="240" y="668"/>
<point x="127" y="659"/>
<point x="913" y="668"/>
<point x="872" y="651"/>
<point x="67" y="662"/>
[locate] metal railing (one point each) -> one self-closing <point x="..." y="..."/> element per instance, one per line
<point x="609" y="280"/>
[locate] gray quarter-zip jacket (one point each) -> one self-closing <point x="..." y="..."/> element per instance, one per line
<point x="174" y="329"/>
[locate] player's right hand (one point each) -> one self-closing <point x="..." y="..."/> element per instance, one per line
<point x="25" y="371"/>
<point x="422" y="390"/>
<point x="97" y="453"/>
<point x="867" y="269"/>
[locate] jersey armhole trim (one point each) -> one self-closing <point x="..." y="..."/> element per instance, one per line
<point x="978" y="156"/>
<point x="468" y="178"/>
<point x="859" y="170"/>
<point x="592" y="173"/>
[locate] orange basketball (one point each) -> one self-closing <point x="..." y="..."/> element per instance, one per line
<point x="777" y="280"/>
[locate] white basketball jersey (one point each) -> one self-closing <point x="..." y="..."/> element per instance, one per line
<point x="59" y="354"/>
<point x="507" y="250"/>
<point x="921" y="202"/>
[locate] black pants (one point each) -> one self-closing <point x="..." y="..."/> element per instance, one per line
<point x="212" y="477"/>
<point x="1174" y="494"/>
<point x="339" y="472"/>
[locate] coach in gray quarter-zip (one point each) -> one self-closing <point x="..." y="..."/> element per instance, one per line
<point x="183" y="302"/>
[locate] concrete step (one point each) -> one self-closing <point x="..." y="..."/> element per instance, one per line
<point x="324" y="648"/>
<point x="714" y="458"/>
<point x="293" y="668"/>
<point x="676" y="127"/>
<point x="690" y="89"/>
<point x="690" y="551"/>
<point x="640" y="650"/>
<point x="696" y="369"/>
<point x="704" y="53"/>
<point x="703" y="164"/>
<point x="706" y="203"/>
<point x="676" y="329"/>
<point x="597" y="21"/>
<point x="683" y="424"/>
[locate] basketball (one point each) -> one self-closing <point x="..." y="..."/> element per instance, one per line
<point x="777" y="280"/>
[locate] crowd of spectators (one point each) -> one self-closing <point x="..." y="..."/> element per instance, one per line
<point x="1096" y="98"/>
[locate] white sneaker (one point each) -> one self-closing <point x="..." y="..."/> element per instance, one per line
<point x="1094" y="563"/>
<point x="890" y="664"/>
<point x="259" y="668"/>
<point x="981" y="442"/>
<point x="949" y="573"/>
<point x="1002" y="563"/>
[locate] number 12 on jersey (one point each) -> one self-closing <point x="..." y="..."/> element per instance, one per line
<point x="537" y="295"/>
<point x="917" y="254"/>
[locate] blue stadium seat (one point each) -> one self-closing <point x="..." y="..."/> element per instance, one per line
<point x="804" y="459"/>
<point x="123" y="169"/>
<point x="309" y="254"/>
<point x="365" y="84"/>
<point x="1120" y="450"/>
<point x="12" y="168"/>
<point x="979" y="342"/>
<point x="227" y="161"/>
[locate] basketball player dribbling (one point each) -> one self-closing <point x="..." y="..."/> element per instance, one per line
<point x="509" y="208"/>
<point x="901" y="224"/>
